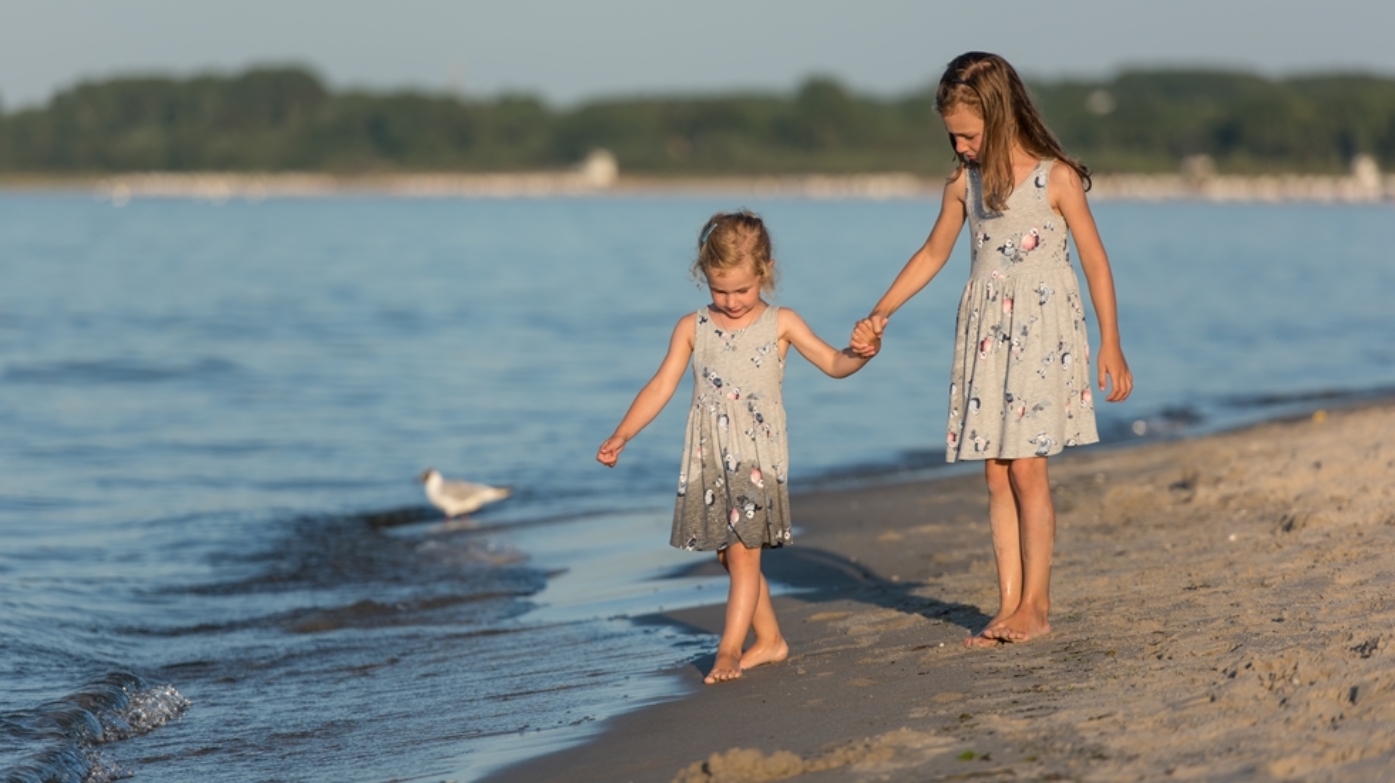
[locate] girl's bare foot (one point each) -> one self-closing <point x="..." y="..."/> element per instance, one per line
<point x="726" y="668"/>
<point x="765" y="653"/>
<point x="984" y="638"/>
<point x="980" y="640"/>
<point x="1023" y="625"/>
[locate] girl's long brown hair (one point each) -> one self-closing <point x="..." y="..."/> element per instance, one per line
<point x="986" y="84"/>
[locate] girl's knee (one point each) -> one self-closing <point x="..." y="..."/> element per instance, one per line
<point x="1029" y="469"/>
<point x="995" y="473"/>
<point x="740" y="556"/>
<point x="744" y="552"/>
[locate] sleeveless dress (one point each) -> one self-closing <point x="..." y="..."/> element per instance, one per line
<point x="732" y="486"/>
<point x="1020" y="385"/>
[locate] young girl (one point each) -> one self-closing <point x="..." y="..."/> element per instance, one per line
<point x="1020" y="385"/>
<point x="732" y="496"/>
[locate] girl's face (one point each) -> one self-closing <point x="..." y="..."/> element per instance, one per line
<point x="966" y="130"/>
<point x="736" y="291"/>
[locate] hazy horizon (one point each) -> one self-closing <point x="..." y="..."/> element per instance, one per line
<point x="566" y="53"/>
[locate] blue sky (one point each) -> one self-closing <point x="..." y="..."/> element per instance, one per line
<point x="566" y="51"/>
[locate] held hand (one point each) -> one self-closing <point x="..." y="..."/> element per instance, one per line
<point x="864" y="342"/>
<point x="867" y="336"/>
<point x="878" y="322"/>
<point x="1113" y="367"/>
<point x="609" y="452"/>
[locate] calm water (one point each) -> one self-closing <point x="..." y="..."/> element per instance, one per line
<point x="215" y="565"/>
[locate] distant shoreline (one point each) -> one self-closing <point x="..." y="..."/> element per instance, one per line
<point x="1362" y="186"/>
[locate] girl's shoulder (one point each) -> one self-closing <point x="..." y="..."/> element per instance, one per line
<point x="788" y="321"/>
<point x="1064" y="184"/>
<point x="957" y="186"/>
<point x="1063" y="175"/>
<point x="687" y="327"/>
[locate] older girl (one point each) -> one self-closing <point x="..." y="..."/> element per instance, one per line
<point x="1019" y="388"/>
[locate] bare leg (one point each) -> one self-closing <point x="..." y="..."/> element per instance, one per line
<point x="1037" y="536"/>
<point x="1007" y="548"/>
<point x="770" y="646"/>
<point x="743" y="566"/>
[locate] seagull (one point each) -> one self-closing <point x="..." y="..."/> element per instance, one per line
<point x="458" y="498"/>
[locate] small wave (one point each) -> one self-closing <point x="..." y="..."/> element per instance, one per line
<point x="334" y="551"/>
<point x="1168" y="421"/>
<point x="144" y="711"/>
<point x="114" y="371"/>
<point x="905" y="462"/>
<point x="394" y="517"/>
<point x="1297" y="398"/>
<point x="377" y="614"/>
<point x="68" y="731"/>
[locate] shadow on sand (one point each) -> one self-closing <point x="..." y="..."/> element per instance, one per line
<point x="820" y="576"/>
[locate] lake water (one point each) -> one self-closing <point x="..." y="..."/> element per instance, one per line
<point x="215" y="564"/>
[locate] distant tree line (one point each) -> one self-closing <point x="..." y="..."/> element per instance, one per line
<point x="284" y="119"/>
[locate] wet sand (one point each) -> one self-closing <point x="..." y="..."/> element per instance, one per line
<point x="1222" y="610"/>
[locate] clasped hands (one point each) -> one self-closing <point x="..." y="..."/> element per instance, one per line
<point x="867" y="336"/>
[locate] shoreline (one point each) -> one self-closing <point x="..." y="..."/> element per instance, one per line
<point x="1365" y="185"/>
<point x="1219" y="612"/>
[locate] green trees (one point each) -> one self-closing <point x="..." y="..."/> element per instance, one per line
<point x="284" y="119"/>
<point x="242" y="122"/>
<point x="1148" y="121"/>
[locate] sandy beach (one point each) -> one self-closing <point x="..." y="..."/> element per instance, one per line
<point x="1221" y="611"/>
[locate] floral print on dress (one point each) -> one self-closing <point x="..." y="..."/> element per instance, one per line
<point x="1020" y="382"/>
<point x="735" y="448"/>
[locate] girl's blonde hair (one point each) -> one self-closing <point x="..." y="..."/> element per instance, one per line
<point x="988" y="86"/>
<point x="730" y="239"/>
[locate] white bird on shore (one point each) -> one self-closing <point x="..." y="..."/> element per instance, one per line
<point x="458" y="498"/>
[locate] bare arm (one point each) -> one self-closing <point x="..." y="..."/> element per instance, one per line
<point x="833" y="362"/>
<point x="655" y="394"/>
<point x="923" y="265"/>
<point x="1068" y="198"/>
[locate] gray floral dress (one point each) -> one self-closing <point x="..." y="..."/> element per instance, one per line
<point x="732" y="486"/>
<point x="1020" y="385"/>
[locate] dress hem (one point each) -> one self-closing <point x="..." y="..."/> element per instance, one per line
<point x="764" y="545"/>
<point x="951" y="459"/>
